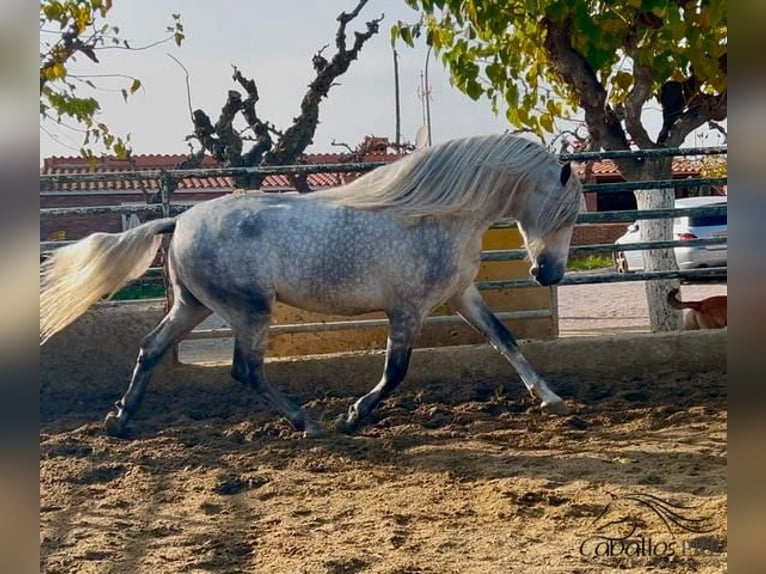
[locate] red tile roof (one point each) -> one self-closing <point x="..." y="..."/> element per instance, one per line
<point x="681" y="168"/>
<point x="78" y="165"/>
<point x="601" y="170"/>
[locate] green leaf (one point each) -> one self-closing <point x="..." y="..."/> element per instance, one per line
<point x="135" y="85"/>
<point x="496" y="73"/>
<point x="512" y="95"/>
<point x="546" y="122"/>
<point x="394" y="32"/>
<point x="473" y="89"/>
<point x="553" y="107"/>
<point x="512" y="115"/>
<point x="406" y="34"/>
<point x="624" y="80"/>
<point x="124" y="93"/>
<point x="120" y="149"/>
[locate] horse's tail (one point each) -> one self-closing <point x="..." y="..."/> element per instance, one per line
<point x="78" y="275"/>
<point x="676" y="303"/>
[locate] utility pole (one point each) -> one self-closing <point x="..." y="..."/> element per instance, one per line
<point x="427" y="95"/>
<point x="396" y="98"/>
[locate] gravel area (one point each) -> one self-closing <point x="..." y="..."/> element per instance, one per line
<point x="600" y="308"/>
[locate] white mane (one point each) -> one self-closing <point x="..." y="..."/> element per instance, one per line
<point x="477" y="175"/>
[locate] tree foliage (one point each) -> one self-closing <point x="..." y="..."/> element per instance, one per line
<point x="606" y="59"/>
<point x="71" y="29"/>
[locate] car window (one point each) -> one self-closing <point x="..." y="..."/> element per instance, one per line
<point x="708" y="221"/>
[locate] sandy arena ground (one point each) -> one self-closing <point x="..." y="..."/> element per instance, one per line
<point x="470" y="479"/>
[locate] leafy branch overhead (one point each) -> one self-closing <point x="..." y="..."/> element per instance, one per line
<point x="546" y="59"/>
<point x="606" y="60"/>
<point x="259" y="142"/>
<point x="70" y="29"/>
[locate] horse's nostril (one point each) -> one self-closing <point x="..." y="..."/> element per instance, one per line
<point x="533" y="271"/>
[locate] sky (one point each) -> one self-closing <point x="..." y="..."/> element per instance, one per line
<point x="271" y="42"/>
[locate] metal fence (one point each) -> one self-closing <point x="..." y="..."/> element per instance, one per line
<point x="168" y="180"/>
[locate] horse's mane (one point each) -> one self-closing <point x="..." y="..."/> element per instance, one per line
<point x="480" y="175"/>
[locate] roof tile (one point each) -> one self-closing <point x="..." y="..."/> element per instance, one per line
<point x="73" y="165"/>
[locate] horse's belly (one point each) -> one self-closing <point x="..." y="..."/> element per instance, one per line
<point x="332" y="298"/>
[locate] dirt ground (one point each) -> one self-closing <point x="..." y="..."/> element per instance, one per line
<point x="443" y="480"/>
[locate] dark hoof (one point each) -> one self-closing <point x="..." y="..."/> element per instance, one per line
<point x="343" y="426"/>
<point x="312" y="430"/>
<point x="114" y="426"/>
<point x="555" y="407"/>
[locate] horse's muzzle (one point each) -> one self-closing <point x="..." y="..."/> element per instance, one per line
<point x="547" y="271"/>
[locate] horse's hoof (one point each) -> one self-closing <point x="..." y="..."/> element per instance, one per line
<point x="312" y="430"/>
<point x="114" y="426"/>
<point x="558" y="407"/>
<point x="343" y="426"/>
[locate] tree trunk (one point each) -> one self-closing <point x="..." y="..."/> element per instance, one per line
<point x="661" y="316"/>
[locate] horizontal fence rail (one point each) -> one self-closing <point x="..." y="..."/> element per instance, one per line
<point x="602" y="217"/>
<point x="642" y="153"/>
<point x="179" y="174"/>
<point x="520" y="254"/>
<point x="168" y="179"/>
<point x="623" y="186"/>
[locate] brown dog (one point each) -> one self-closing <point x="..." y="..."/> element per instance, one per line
<point x="708" y="313"/>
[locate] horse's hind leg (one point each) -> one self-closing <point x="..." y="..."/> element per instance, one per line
<point x="183" y="316"/>
<point x="471" y="307"/>
<point x="402" y="332"/>
<point x="247" y="368"/>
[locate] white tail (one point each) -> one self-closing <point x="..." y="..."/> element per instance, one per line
<point x="78" y="275"/>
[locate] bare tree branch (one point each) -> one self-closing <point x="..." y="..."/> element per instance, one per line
<point x="343" y="144"/>
<point x="224" y="128"/>
<point x="719" y="128"/>
<point x="576" y="72"/>
<point x="344" y="18"/>
<point x="641" y="92"/>
<point x="704" y="107"/>
<point x="188" y="86"/>
<point x="225" y="143"/>
<point x="300" y="181"/>
<point x="299" y="136"/>
<point x="603" y="123"/>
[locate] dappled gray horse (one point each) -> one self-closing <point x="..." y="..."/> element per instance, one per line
<point x="402" y="239"/>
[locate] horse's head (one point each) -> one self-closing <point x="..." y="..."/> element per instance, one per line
<point x="546" y="219"/>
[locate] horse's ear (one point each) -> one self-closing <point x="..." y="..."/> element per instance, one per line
<point x="566" y="173"/>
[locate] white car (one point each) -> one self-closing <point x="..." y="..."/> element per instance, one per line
<point x="684" y="228"/>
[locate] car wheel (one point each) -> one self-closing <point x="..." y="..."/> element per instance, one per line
<point x="620" y="262"/>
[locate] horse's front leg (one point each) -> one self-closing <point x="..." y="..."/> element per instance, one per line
<point x="403" y="330"/>
<point x="471" y="307"/>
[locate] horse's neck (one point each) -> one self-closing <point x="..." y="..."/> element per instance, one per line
<point x="468" y="226"/>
